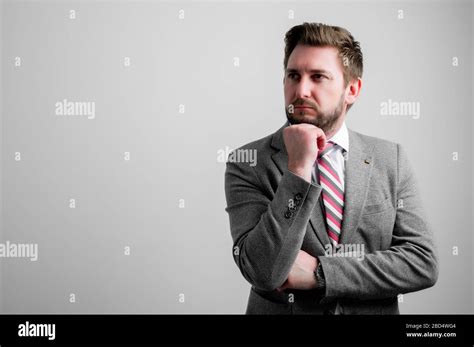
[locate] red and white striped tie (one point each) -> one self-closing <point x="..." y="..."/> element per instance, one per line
<point x="332" y="193"/>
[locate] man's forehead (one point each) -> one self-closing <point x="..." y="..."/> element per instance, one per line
<point x="311" y="59"/>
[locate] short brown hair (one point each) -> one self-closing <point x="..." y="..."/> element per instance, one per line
<point x="317" y="34"/>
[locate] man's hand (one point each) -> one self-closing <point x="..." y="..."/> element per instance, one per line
<point x="302" y="273"/>
<point x="303" y="141"/>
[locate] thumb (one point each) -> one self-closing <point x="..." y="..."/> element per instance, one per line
<point x="321" y="142"/>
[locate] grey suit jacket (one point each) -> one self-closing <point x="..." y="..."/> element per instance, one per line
<point x="382" y="212"/>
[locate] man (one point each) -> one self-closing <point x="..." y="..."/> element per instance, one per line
<point x="329" y="221"/>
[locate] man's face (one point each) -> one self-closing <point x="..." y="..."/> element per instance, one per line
<point x="314" y="87"/>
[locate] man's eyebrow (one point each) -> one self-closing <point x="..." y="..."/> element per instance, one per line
<point x="320" y="71"/>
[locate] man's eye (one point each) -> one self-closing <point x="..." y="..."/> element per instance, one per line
<point x="319" y="77"/>
<point x="292" y="76"/>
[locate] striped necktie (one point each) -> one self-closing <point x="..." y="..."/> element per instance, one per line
<point x="332" y="194"/>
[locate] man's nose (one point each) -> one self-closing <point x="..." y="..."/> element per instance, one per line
<point x="303" y="89"/>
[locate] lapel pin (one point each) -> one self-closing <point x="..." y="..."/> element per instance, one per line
<point x="367" y="161"/>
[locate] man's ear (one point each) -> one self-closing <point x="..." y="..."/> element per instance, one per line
<point x="353" y="91"/>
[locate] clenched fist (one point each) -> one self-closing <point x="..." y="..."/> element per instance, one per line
<point x="303" y="142"/>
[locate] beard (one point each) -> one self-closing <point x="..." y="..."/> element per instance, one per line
<point x="326" y="121"/>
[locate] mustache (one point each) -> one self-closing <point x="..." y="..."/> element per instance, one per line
<point x="305" y="103"/>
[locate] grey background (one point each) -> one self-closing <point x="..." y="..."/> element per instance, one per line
<point x="174" y="156"/>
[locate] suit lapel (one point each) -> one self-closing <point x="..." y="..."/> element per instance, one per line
<point x="281" y="156"/>
<point x="319" y="225"/>
<point x="358" y="168"/>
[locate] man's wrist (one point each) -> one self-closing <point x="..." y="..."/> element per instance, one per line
<point x="304" y="173"/>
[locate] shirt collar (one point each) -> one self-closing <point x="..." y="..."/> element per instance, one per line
<point x="341" y="137"/>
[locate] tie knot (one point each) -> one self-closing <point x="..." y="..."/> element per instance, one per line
<point x="327" y="148"/>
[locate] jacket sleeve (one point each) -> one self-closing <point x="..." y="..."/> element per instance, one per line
<point x="410" y="264"/>
<point x="267" y="233"/>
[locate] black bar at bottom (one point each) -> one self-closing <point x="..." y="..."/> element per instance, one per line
<point x="240" y="329"/>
